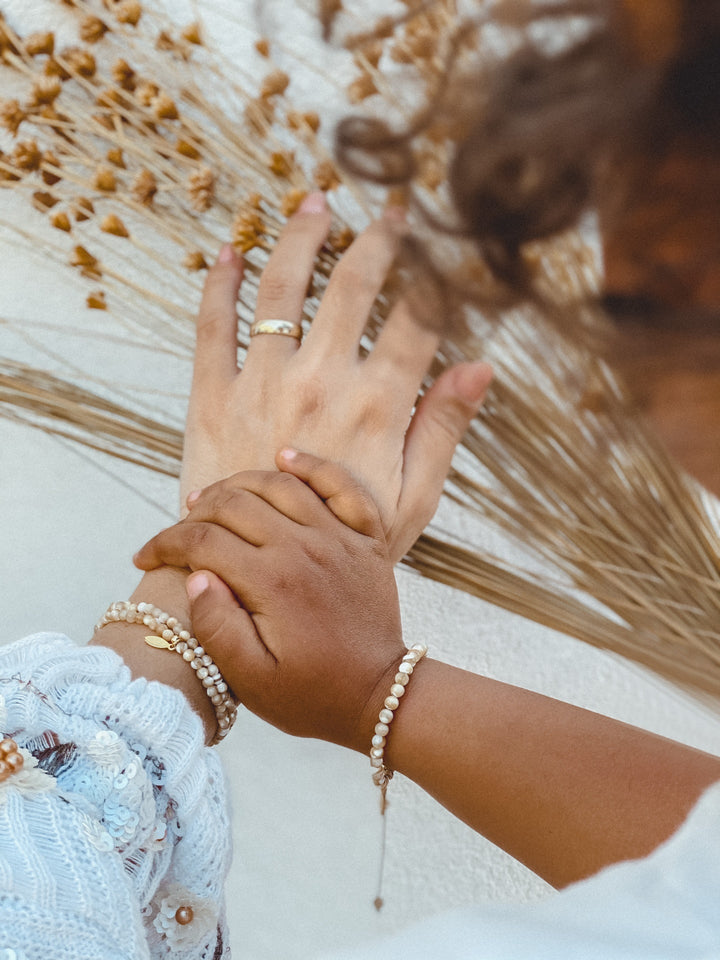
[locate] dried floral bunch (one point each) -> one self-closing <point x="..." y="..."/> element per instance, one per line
<point x="143" y="152"/>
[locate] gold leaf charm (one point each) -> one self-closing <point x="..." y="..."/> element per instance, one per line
<point x="159" y="643"/>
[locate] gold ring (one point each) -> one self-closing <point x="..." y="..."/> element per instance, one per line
<point x="283" y="327"/>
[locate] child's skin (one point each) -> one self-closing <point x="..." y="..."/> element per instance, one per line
<point x="302" y="617"/>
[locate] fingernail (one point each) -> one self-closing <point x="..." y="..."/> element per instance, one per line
<point x="192" y="497"/>
<point x="196" y="585"/>
<point x="136" y="557"/>
<point x="288" y="454"/>
<point x="313" y="203"/>
<point x="227" y="254"/>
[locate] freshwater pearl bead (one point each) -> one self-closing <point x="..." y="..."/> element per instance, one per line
<point x="406" y="667"/>
<point x="385" y="716"/>
<point x="397" y="689"/>
<point x="402" y="678"/>
<point x="382" y="729"/>
<point x="180" y="641"/>
<point x="378" y="741"/>
<point x="184" y="915"/>
<point x="392" y="703"/>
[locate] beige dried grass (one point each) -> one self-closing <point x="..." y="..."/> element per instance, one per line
<point x="629" y="556"/>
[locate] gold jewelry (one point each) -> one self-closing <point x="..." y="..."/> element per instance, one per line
<point x="286" y="328"/>
<point x="169" y="634"/>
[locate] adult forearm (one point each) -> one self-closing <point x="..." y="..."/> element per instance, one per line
<point x="564" y="790"/>
<point x="164" y="588"/>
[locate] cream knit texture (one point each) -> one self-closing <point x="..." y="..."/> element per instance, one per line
<point x="131" y="823"/>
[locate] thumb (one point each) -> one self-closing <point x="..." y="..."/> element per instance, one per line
<point x="440" y="421"/>
<point x="344" y="496"/>
<point x="226" y="631"/>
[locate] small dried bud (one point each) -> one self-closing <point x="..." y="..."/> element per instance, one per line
<point x="123" y="75"/>
<point x="96" y="300"/>
<point x="371" y="52"/>
<point x="27" y="155"/>
<point x="45" y="90"/>
<point x="110" y="98"/>
<point x="146" y="91"/>
<point x="340" y="240"/>
<point x="281" y="163"/>
<point x="115" y="157"/>
<point x="188" y="150"/>
<point x="164" y="107"/>
<point x="61" y="221"/>
<point x="274" y="84"/>
<point x="291" y="201"/>
<point x="84" y="209"/>
<point x="129" y="11"/>
<point x="114" y="225"/>
<point x="326" y="176"/>
<point x="50" y="178"/>
<point x="11" y="116"/>
<point x="361" y="88"/>
<point x="165" y="41"/>
<point x="247" y="230"/>
<point x="195" y="261"/>
<point x="397" y="197"/>
<point x="192" y="34"/>
<point x="53" y="69"/>
<point x="92" y="29"/>
<point x="44" y="201"/>
<point x="144" y="187"/>
<point x="104" y="120"/>
<point x="88" y="264"/>
<point x="81" y="62"/>
<point x="201" y="189"/>
<point x="299" y="121"/>
<point x="431" y="170"/>
<point x="263" y="47"/>
<point x="38" y="43"/>
<point x="105" y="180"/>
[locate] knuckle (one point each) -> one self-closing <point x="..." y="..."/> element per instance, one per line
<point x="277" y="287"/>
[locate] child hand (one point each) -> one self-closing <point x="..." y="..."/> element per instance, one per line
<point x="301" y="613"/>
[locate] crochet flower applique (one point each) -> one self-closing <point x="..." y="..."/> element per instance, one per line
<point x="184" y="919"/>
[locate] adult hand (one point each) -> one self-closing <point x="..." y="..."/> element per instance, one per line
<point x="315" y="638"/>
<point x="321" y="396"/>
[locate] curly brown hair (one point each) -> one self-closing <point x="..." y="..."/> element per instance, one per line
<point x="545" y="136"/>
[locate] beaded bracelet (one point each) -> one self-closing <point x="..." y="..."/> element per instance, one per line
<point x="382" y="775"/>
<point x="169" y="634"/>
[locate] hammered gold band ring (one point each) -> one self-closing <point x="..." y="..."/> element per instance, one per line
<point x="285" y="328"/>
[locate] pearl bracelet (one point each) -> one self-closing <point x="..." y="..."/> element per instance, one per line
<point x="382" y="775"/>
<point x="169" y="634"/>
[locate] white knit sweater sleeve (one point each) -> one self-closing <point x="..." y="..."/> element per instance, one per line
<point x="118" y="818"/>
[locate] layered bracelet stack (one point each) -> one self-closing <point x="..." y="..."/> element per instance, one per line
<point x="169" y="634"/>
<point x="382" y="774"/>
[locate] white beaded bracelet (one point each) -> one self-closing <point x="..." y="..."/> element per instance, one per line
<point x="169" y="634"/>
<point x="382" y="775"/>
